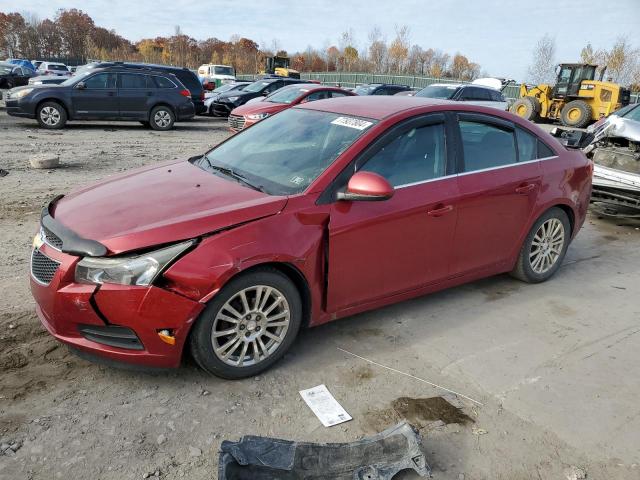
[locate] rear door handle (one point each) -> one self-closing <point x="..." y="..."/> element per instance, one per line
<point x="440" y="211"/>
<point x="524" y="189"/>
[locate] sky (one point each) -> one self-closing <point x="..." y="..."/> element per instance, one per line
<point x="499" y="35"/>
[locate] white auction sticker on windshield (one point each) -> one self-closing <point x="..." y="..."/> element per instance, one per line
<point x="351" y="122"/>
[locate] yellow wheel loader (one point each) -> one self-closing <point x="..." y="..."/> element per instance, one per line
<point x="576" y="100"/>
<point x="279" y="66"/>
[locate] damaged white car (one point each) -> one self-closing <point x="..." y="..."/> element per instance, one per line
<point x="614" y="145"/>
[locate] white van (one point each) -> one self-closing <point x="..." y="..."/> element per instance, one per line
<point x="216" y="75"/>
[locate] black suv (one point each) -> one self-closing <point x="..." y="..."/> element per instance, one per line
<point x="381" y="89"/>
<point x="186" y="76"/>
<point x="152" y="97"/>
<point x="222" y="106"/>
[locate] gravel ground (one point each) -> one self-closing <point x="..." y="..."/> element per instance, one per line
<point x="554" y="365"/>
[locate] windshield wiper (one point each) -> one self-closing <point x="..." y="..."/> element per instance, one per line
<point x="233" y="174"/>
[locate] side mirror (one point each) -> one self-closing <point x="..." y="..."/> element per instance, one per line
<point x="80" y="86"/>
<point x="367" y="186"/>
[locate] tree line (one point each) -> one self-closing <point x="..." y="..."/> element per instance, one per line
<point x="73" y="34"/>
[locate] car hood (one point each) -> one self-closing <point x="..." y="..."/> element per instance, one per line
<point x="224" y="96"/>
<point x="161" y="204"/>
<point x="260" y="107"/>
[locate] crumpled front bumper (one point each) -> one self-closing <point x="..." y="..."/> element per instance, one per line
<point x="117" y="322"/>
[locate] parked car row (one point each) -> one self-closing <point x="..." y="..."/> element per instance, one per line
<point x="230" y="95"/>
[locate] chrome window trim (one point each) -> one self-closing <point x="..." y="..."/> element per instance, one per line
<point x="474" y="171"/>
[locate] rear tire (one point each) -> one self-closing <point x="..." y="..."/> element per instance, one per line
<point x="248" y="326"/>
<point x="162" y="118"/>
<point x="576" y="113"/>
<point x="51" y="115"/>
<point x="527" y="108"/>
<point x="544" y="247"/>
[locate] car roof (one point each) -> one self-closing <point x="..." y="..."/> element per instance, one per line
<point x="456" y="85"/>
<point x="375" y="107"/>
<point x="310" y="87"/>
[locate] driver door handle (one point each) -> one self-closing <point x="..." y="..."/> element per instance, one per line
<point x="437" y="212"/>
<point x="524" y="189"/>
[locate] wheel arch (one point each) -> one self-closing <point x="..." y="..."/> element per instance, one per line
<point x="55" y="100"/>
<point x="161" y="104"/>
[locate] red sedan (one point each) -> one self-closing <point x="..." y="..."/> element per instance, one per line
<point x="325" y="210"/>
<point x="286" y="97"/>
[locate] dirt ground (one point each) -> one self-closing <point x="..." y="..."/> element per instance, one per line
<point x="555" y="366"/>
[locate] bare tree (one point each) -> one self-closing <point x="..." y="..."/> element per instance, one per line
<point x="399" y="49"/>
<point x="542" y="70"/>
<point x="377" y="50"/>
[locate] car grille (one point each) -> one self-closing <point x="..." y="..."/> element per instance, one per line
<point x="42" y="267"/>
<point x="51" y="238"/>
<point x="236" y="122"/>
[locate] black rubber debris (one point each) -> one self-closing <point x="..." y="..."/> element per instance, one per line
<point x="379" y="457"/>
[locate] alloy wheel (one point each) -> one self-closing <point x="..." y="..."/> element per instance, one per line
<point x="250" y="326"/>
<point x="162" y="118"/>
<point x="50" y="116"/>
<point x="546" y="246"/>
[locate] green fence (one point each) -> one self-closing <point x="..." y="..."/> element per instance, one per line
<point x="348" y="79"/>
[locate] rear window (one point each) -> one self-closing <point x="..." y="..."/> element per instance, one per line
<point x="52" y="66"/>
<point x="163" y="82"/>
<point x="189" y="80"/>
<point x="223" y="70"/>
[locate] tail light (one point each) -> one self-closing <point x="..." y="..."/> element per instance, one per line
<point x="185" y="93"/>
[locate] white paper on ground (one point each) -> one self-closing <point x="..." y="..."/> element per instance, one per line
<point x="326" y="408"/>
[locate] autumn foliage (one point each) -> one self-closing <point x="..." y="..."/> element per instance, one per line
<point x="74" y="36"/>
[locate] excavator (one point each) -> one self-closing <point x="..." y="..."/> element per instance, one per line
<point x="576" y="100"/>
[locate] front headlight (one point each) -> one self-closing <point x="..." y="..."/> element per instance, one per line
<point x="257" y="116"/>
<point x="21" y="93"/>
<point x="130" y="270"/>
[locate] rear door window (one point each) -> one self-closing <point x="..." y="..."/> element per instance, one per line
<point x="527" y="146"/>
<point x="486" y="145"/>
<point x="132" y="80"/>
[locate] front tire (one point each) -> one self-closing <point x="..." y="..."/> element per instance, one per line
<point x="51" y="115"/>
<point x="544" y="248"/>
<point x="162" y="118"/>
<point x="527" y="108"/>
<point x="576" y="113"/>
<point x="249" y="325"/>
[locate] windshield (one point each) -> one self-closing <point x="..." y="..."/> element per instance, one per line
<point x="365" y="89"/>
<point x="437" y="91"/>
<point x="286" y="95"/>
<point x="283" y="154"/>
<point x="256" y="86"/>
<point x="223" y="71"/>
<point x="225" y="88"/>
<point x="76" y="78"/>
